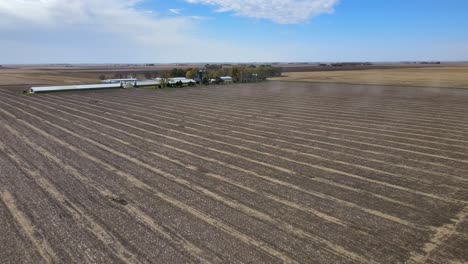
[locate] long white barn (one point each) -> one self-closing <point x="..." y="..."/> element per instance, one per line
<point x="42" y="89"/>
<point x="119" y="80"/>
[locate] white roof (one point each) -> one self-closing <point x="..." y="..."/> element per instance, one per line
<point x="73" y="87"/>
<point x="183" y="80"/>
<point x="148" y="82"/>
<point x="118" y="80"/>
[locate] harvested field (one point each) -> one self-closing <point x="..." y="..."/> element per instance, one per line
<point x="261" y="173"/>
<point x="442" y="76"/>
<point x="49" y="75"/>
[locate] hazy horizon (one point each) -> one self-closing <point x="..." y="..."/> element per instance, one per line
<point x="228" y="62"/>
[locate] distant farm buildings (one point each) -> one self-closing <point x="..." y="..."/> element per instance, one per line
<point x="117" y="83"/>
<point x="179" y="81"/>
<point x="222" y="79"/>
<point x="227" y="79"/>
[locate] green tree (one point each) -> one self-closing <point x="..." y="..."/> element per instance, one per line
<point x="191" y="73"/>
<point x="173" y="72"/>
<point x="180" y="73"/>
<point x="164" y="81"/>
<point x="215" y="74"/>
<point x="188" y="74"/>
<point x="236" y="75"/>
<point x="226" y="71"/>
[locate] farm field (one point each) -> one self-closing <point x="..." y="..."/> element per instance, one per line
<point x="443" y="76"/>
<point x="81" y="74"/>
<point x="275" y="172"/>
<point x="33" y="76"/>
<point x="61" y="75"/>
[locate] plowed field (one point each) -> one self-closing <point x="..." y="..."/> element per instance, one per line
<point x="261" y="173"/>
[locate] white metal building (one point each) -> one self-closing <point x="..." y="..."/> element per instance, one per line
<point x="227" y="79"/>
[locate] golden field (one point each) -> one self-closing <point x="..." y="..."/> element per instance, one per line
<point x="445" y="76"/>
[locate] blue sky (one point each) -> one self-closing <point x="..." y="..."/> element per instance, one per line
<point x="160" y="31"/>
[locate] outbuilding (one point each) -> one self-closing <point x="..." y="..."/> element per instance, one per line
<point x="227" y="79"/>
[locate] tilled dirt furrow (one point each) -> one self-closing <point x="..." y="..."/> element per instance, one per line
<point x="243" y="173"/>
<point x="403" y="149"/>
<point x="313" y="166"/>
<point x="217" y="224"/>
<point x="420" y="102"/>
<point x="248" y="211"/>
<point x="378" y="214"/>
<point x="77" y="213"/>
<point x="423" y="218"/>
<point x="166" y="146"/>
<point x="40" y="244"/>
<point x="13" y="238"/>
<point x="45" y="223"/>
<point x="79" y="192"/>
<point x="355" y="111"/>
<point x="423" y="142"/>
<point x="441" y="168"/>
<point x="223" y="132"/>
<point x="323" y="117"/>
<point x="446" y="243"/>
<point x="286" y="227"/>
<point x="335" y="248"/>
<point x="226" y="128"/>
<point x="264" y="203"/>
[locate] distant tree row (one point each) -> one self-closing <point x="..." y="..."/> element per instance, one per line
<point x="254" y="73"/>
<point x="242" y="73"/>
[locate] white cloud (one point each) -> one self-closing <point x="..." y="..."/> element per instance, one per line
<point x="106" y="31"/>
<point x="279" y="11"/>
<point x="121" y="16"/>
<point x="175" y="11"/>
<point x="86" y="27"/>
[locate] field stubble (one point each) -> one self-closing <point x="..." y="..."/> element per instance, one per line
<point x="250" y="173"/>
<point x="445" y="76"/>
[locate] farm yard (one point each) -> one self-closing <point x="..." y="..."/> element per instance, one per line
<point x="274" y="172"/>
